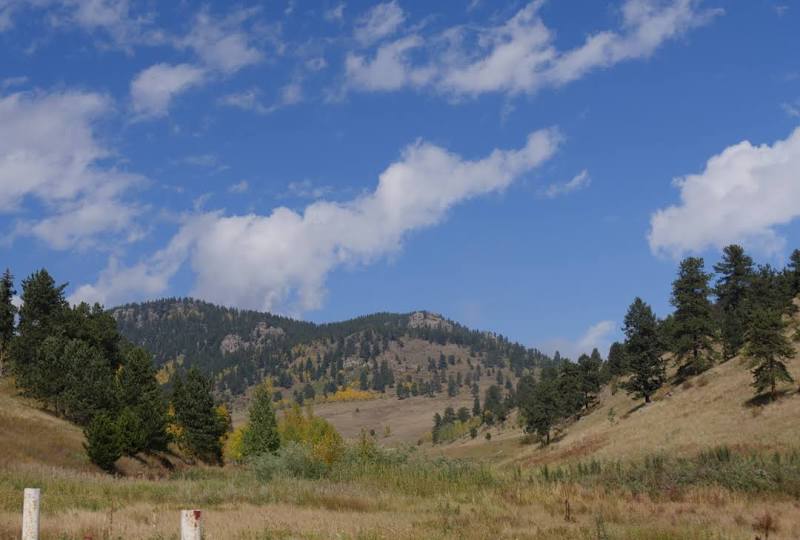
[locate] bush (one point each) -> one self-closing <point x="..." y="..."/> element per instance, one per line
<point x="313" y="432"/>
<point x="292" y="460"/>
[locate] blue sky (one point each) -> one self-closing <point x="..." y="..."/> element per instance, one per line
<point x="523" y="167"/>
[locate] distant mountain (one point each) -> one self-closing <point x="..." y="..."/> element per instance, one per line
<point x="240" y="348"/>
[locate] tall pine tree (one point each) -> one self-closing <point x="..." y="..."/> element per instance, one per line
<point x="196" y="415"/>
<point x="643" y="351"/>
<point x="768" y="347"/>
<point x="140" y="393"/>
<point x="693" y="324"/>
<point x="735" y="278"/>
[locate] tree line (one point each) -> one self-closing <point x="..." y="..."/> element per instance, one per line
<point x="74" y="361"/>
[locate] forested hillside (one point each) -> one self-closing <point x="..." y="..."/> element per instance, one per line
<point x="416" y="353"/>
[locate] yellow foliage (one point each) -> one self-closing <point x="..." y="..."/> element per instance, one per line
<point x="174" y="429"/>
<point x="312" y="431"/>
<point x="352" y="394"/>
<point x="233" y="446"/>
<point x="224" y="417"/>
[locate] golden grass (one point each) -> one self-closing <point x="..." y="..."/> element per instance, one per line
<point x="236" y="506"/>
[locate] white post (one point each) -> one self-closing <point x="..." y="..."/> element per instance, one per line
<point x="30" y="514"/>
<point x="191" y="525"/>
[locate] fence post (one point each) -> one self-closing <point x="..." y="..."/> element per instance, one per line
<point x="30" y="514"/>
<point x="191" y="525"/>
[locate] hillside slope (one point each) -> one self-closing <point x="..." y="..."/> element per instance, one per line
<point x="33" y="437"/>
<point x="714" y="408"/>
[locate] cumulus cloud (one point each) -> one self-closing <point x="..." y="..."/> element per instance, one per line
<point x="580" y="181"/>
<point x="389" y="69"/>
<point x="222" y="44"/>
<point x="50" y="155"/>
<point x="283" y="258"/>
<point x="741" y="196"/>
<point x="379" y="22"/>
<point x="519" y="56"/>
<point x="599" y="336"/>
<point x="153" y="89"/>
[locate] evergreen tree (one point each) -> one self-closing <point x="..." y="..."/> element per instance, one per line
<point x="643" y="351"/>
<point x="89" y="385"/>
<point x="693" y="322"/>
<point x="7" y="313"/>
<point x="41" y="313"/>
<point x="493" y="409"/>
<point x="195" y="413"/>
<point x="103" y="442"/>
<point x="261" y="435"/>
<point x="140" y="393"/>
<point x="768" y="347"/>
<point x="589" y="367"/>
<point x="132" y="436"/>
<point x="476" y="406"/>
<point x="735" y="277"/>
<point x="541" y="409"/>
<point x="617" y="365"/>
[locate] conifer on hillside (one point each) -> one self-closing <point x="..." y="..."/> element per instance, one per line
<point x="643" y="351"/>
<point x="768" y="347"/>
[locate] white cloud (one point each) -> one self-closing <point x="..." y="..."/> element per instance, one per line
<point x="741" y="196"/>
<point x="792" y="109"/>
<point x="283" y="258"/>
<point x="389" y="69"/>
<point x="599" y="336"/>
<point x="580" y="181"/>
<point x="336" y="13"/>
<point x="153" y="89"/>
<point x="305" y="189"/>
<point x="519" y="56"/>
<point x="379" y="22"/>
<point x="222" y="44"/>
<point x="250" y="100"/>
<point x="239" y="187"/>
<point x="49" y="154"/>
<point x="112" y="19"/>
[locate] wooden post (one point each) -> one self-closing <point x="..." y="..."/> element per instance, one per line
<point x="30" y="514"/>
<point x="191" y="525"/>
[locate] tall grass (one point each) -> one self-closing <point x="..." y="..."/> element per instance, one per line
<point x="749" y="472"/>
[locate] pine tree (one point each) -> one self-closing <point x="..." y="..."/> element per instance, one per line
<point x="42" y="311"/>
<point x="140" y="393"/>
<point x="735" y="277"/>
<point x="89" y="386"/>
<point x="768" y="347"/>
<point x="261" y="435"/>
<point x="476" y="406"/>
<point x="617" y="365"/>
<point x="195" y="413"/>
<point x="589" y="367"/>
<point x="643" y="351"/>
<point x="103" y="442"/>
<point x="541" y="409"/>
<point x="7" y="313"/>
<point x="693" y="323"/>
